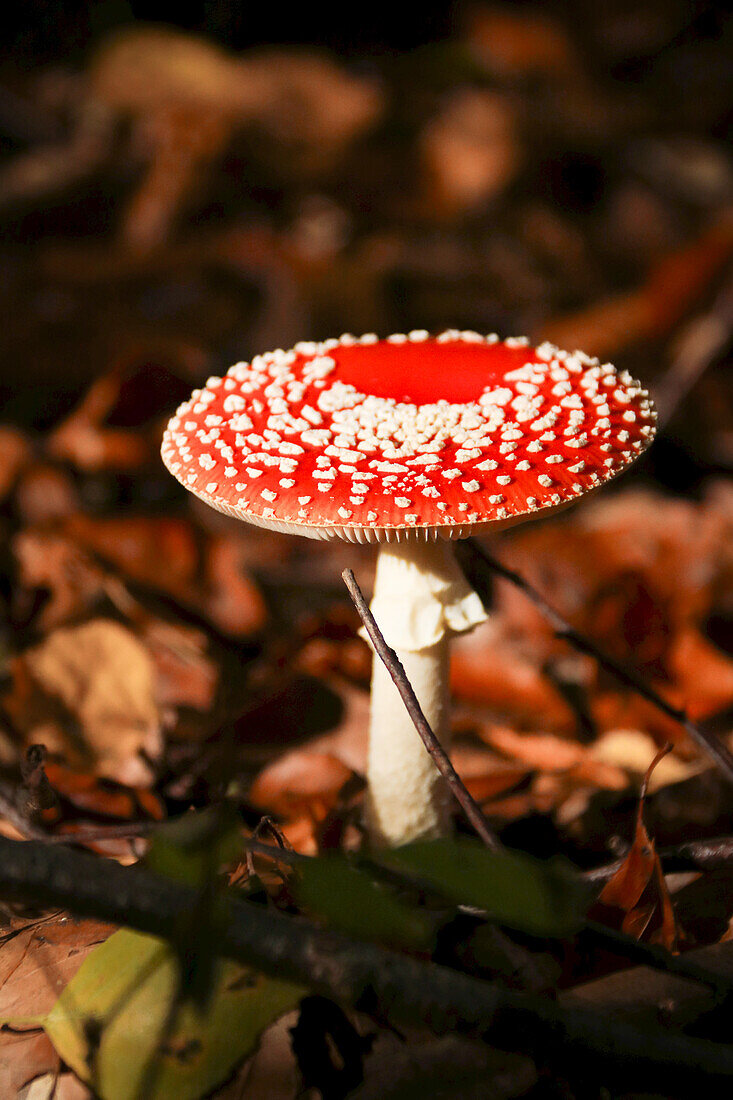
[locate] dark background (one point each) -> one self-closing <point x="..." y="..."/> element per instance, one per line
<point x="49" y="29"/>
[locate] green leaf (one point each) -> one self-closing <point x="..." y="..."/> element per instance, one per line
<point x="190" y="851"/>
<point x="349" y="899"/>
<point x="543" y="898"/>
<point x="110" y="1022"/>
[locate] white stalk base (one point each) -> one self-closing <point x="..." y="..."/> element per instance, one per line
<point x="406" y="795"/>
<point x="420" y="599"/>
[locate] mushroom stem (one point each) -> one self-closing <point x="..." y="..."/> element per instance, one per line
<point x="420" y="600"/>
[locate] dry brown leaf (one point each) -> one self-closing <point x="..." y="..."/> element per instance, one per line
<point x="639" y="575"/>
<point x="300" y="781"/>
<point x="35" y="965"/>
<point x="598" y="774"/>
<point x="88" y="692"/>
<point x="638" y="890"/>
<point x="142" y="67"/>
<point x="159" y="553"/>
<point x="169" y="555"/>
<point x="104" y="798"/>
<point x="183" y="141"/>
<point x="272" y="1073"/>
<point x="231" y="599"/>
<point x="185" y="676"/>
<point x="613" y="710"/>
<point x="486" y="777"/>
<point x="673" y="553"/>
<point x="348" y="742"/>
<point x="185" y="98"/>
<point x="351" y="657"/>
<point x="313" y="107"/>
<point x="297" y="96"/>
<point x="52" y="563"/>
<point x="643" y="996"/>
<point x="90" y="447"/>
<point x="703" y="675"/>
<point x="536" y="750"/>
<point x="487" y="669"/>
<point x="631" y="750"/>
<point x="54" y="1086"/>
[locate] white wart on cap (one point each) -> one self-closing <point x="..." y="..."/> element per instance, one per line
<point x="408" y="437"/>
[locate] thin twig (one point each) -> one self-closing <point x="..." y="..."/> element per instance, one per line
<point x="471" y="556"/>
<point x="438" y="755"/>
<point x="398" y="989"/>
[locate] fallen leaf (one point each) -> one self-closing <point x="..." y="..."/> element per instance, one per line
<point x="638" y="890"/>
<point x="273" y="1071"/>
<point x="231" y="599"/>
<point x="671" y="288"/>
<point x="53" y="564"/>
<point x="96" y="682"/>
<point x="322" y="657"/>
<point x="486" y="669"/>
<point x="185" y="675"/>
<point x="486" y="777"/>
<point x="522" y="43"/>
<point x="157" y="552"/>
<point x="56" y="1086"/>
<point x="543" y="751"/>
<point x="632" y="750"/>
<point x="348" y="741"/>
<point x="702" y="673"/>
<point x="300" y="780"/>
<point x="129" y="987"/>
<point x="170" y="556"/>
<point x="286" y="710"/>
<point x="612" y="710"/>
<point x="671" y="553"/>
<point x="83" y="441"/>
<point x="642" y="995"/>
<point x="103" y="798"/>
<point x="440" y="1067"/>
<point x="546" y="898"/>
<point x="37" y="959"/>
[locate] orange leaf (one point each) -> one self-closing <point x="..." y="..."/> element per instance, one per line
<point x="300" y="782"/>
<point x="638" y="888"/>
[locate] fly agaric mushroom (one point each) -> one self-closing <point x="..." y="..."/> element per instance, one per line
<point x="408" y="442"/>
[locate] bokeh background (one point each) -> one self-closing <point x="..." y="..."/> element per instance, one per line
<point x="182" y="187"/>
<point x="185" y="185"/>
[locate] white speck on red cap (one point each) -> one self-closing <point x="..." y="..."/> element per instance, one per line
<point x="379" y="426"/>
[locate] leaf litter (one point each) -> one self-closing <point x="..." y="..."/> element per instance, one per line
<point x="169" y="660"/>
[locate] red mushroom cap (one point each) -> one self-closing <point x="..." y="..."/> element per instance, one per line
<point x="412" y="436"/>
